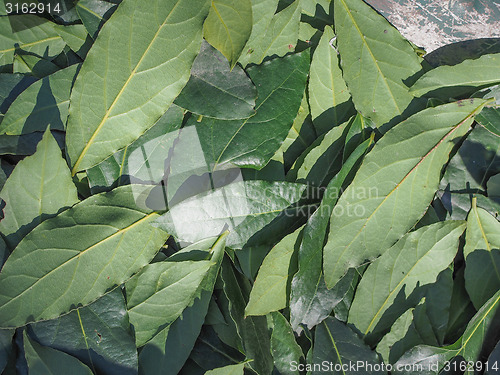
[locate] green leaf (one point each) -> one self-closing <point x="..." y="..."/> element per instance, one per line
<point x="147" y="60"/>
<point x="158" y="294"/>
<point x="378" y="199"/>
<point x="385" y="291"/>
<point x="252" y="329"/>
<point x="168" y="350"/>
<point x="243" y="208"/>
<point x="228" y="370"/>
<point x="213" y="90"/>
<point x="482" y="329"/>
<point x="397" y="333"/>
<point x="262" y="15"/>
<point x="228" y="27"/>
<point x="5" y="346"/>
<point x="75" y="36"/>
<point x="11" y="86"/>
<point x="279" y="38"/>
<point x="301" y="135"/>
<point x="468" y="75"/>
<point x="45" y="103"/>
<point x="253" y="141"/>
<point x="482" y="255"/>
<point x="322" y="160"/>
<point x="375" y="60"/>
<point x="493" y="364"/>
<point x="468" y="171"/>
<point x="48" y="189"/>
<point x="99" y="335"/>
<point x="283" y="345"/>
<point x="89" y="248"/>
<point x="30" y="64"/>
<point x="329" y="97"/>
<point x="28" y="33"/>
<point x="143" y="160"/>
<point x="272" y="286"/>
<point x="93" y="14"/>
<point x="47" y="361"/>
<point x="336" y="345"/>
<point x="310" y="299"/>
<point x="461" y="308"/>
<point x="24" y="144"/>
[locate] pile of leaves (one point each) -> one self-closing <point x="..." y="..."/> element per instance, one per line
<point x="244" y="186"/>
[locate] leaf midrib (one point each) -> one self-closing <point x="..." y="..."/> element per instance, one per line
<point x="31" y="44"/>
<point x="363" y="40"/>
<point x="129" y="79"/>
<point x="406" y="176"/>
<point x="77" y="256"/>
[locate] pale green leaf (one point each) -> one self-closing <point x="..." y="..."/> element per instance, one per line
<point x="272" y="286"/>
<point x="31" y="34"/>
<point x="228" y="27"/>
<point x="89" y="249"/>
<point x="166" y="353"/>
<point x="74" y="36"/>
<point x="394" y="186"/>
<point x="228" y="370"/>
<point x="131" y="75"/>
<point x="328" y="93"/>
<point x="279" y="39"/>
<point x="158" y="294"/>
<point x="396" y="334"/>
<point x="466" y="76"/>
<point x="47" y="361"/>
<point x="385" y="290"/>
<point x="39" y="187"/>
<point x="262" y="14"/>
<point x="375" y="60"/>
<point x="482" y="255"/>
<point x="322" y="160"/>
<point x="310" y="300"/>
<point x="45" y="103"/>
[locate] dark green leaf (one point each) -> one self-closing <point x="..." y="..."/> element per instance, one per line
<point x="283" y="345"/>
<point x="213" y="90"/>
<point x="338" y="348"/>
<point x="94" y="13"/>
<point x="253" y="141"/>
<point x="310" y="300"/>
<point x="99" y="335"/>
<point x="47" y="361"/>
